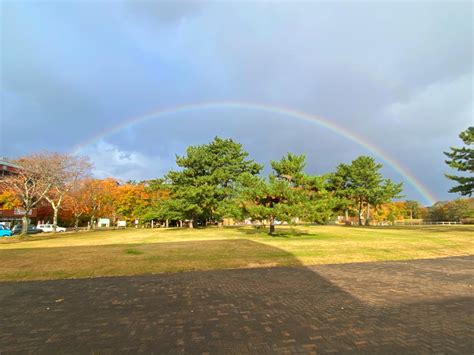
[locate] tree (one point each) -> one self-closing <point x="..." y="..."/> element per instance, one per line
<point x="159" y="196"/>
<point x="413" y="209"/>
<point x="390" y="211"/>
<point x="338" y="185"/>
<point x="99" y="195"/>
<point x="290" y="168"/>
<point x="75" y="202"/>
<point x="459" y="209"/>
<point x="315" y="203"/>
<point x="171" y="210"/>
<point x="66" y="171"/>
<point x="9" y="199"/>
<point x="131" y="200"/>
<point x="462" y="159"/>
<point x="205" y="189"/>
<point x="366" y="186"/>
<point x="32" y="180"/>
<point x="288" y="193"/>
<point x="456" y="210"/>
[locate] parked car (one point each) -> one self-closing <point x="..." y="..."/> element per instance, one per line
<point x="31" y="229"/>
<point x="4" y="231"/>
<point x="49" y="228"/>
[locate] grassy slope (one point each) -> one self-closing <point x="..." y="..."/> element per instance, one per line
<point x="130" y="252"/>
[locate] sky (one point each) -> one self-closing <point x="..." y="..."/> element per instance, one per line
<point x="398" y="75"/>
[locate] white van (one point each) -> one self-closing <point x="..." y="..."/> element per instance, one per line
<point x="49" y="228"/>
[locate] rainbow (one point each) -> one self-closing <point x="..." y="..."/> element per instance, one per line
<point x="338" y="129"/>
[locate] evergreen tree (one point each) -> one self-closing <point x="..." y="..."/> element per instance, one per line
<point x="205" y="189"/>
<point x="288" y="193"/>
<point x="462" y="159"/>
<point x="367" y="188"/>
<point x="338" y="185"/>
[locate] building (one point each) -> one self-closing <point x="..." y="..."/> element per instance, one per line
<point x="11" y="216"/>
<point x="7" y="168"/>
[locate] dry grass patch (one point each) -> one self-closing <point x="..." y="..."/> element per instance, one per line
<point x="131" y="252"/>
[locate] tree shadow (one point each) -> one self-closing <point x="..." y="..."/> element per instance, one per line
<point x="280" y="231"/>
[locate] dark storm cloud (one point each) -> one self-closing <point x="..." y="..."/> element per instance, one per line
<point x="397" y="74"/>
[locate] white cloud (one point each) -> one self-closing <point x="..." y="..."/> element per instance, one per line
<point x="110" y="161"/>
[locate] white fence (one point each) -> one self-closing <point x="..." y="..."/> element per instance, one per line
<point x="424" y="223"/>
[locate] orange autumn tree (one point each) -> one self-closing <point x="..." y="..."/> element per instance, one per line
<point x="131" y="201"/>
<point x="75" y="203"/>
<point x="9" y="200"/>
<point x="107" y="198"/>
<point x="99" y="198"/>
<point x="392" y="211"/>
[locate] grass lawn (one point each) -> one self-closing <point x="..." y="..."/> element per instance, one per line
<point x="143" y="251"/>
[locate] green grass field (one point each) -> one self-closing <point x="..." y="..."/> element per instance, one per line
<point x="145" y="251"/>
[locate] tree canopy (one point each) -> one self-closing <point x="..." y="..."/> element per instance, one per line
<point x="288" y="193"/>
<point x="462" y="159"/>
<point x="204" y="190"/>
<point x="214" y="181"/>
<point x="362" y="183"/>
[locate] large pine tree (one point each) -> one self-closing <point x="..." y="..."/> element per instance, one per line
<point x="288" y="193"/>
<point x="462" y="159"/>
<point x="362" y="183"/>
<point x="204" y="189"/>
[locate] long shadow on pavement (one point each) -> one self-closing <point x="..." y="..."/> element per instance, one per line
<point x="394" y="307"/>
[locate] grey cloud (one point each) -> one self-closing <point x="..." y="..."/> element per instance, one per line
<point x="399" y="74"/>
<point x="158" y="13"/>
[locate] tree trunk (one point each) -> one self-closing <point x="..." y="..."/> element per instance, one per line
<point x="55" y="218"/>
<point x="272" y="226"/>
<point x="367" y="219"/>
<point x="346" y="216"/>
<point x="167" y="223"/>
<point x="76" y="223"/>
<point x="25" y="220"/>
<point x="181" y="224"/>
<point x="191" y="223"/>
<point x="360" y="214"/>
<point x="272" y="229"/>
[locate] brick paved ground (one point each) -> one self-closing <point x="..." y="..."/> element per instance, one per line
<point x="390" y="307"/>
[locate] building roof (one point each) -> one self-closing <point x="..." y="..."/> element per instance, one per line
<point x="3" y="162"/>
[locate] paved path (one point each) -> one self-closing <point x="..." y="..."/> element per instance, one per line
<point x="390" y="307"/>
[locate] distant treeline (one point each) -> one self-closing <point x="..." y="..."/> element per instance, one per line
<point x="215" y="182"/>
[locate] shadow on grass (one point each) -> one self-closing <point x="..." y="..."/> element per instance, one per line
<point x="280" y="231"/>
<point x="133" y="252"/>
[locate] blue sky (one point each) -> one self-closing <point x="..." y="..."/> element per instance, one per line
<point x="398" y="74"/>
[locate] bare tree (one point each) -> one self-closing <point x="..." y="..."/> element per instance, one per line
<point x="66" y="171"/>
<point x="30" y="183"/>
